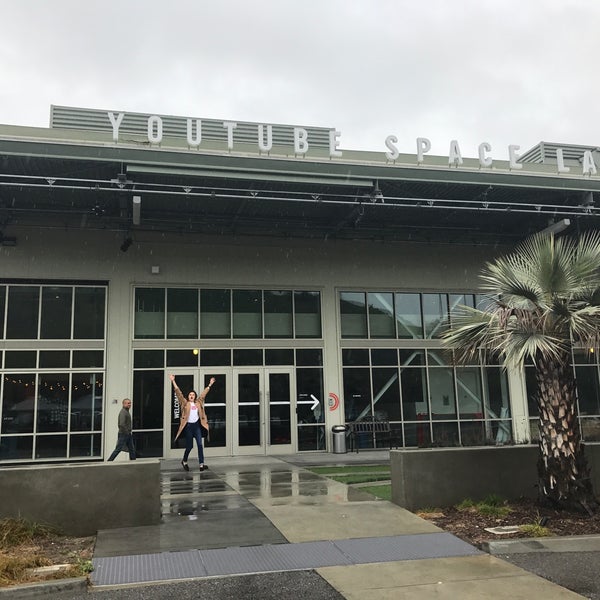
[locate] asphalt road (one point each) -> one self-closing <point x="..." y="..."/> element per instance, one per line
<point x="268" y="586"/>
<point x="576" y="571"/>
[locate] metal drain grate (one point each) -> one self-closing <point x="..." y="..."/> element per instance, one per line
<point x="275" y="557"/>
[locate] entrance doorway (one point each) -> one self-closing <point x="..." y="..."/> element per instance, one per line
<point x="250" y="410"/>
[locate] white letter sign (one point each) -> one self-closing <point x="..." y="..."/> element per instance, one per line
<point x="560" y="159"/>
<point x="191" y="140"/>
<point x="423" y="145"/>
<point x="390" y="143"/>
<point x="484" y="161"/>
<point x="155" y="138"/>
<point x="300" y="141"/>
<point x="513" y="157"/>
<point x="262" y="145"/>
<point x="589" y="166"/>
<point x="454" y="157"/>
<point x="334" y="142"/>
<point x="230" y="126"/>
<point x="116" y="123"/>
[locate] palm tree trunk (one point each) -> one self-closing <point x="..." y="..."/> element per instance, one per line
<point x="564" y="476"/>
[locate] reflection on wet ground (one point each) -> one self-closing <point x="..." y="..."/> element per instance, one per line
<point x="223" y="507"/>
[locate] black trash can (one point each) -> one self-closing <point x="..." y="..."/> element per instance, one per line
<point x="339" y="439"/>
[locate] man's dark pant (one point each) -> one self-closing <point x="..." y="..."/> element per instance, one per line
<point x="124" y="442"/>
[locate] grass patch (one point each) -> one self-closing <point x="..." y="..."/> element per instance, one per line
<point x="383" y="491"/>
<point x="535" y="530"/>
<point x="14" y="569"/>
<point x="358" y="478"/>
<point x="490" y="506"/>
<point x="14" y="532"/>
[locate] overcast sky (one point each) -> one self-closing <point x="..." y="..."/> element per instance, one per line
<point x="503" y="71"/>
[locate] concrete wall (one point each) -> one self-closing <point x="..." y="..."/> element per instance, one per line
<point x="439" y="477"/>
<point x="81" y="499"/>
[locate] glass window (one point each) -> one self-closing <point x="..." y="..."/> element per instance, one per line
<point x="353" y="312"/>
<point x="215" y="358"/>
<point x="53" y="402"/>
<point x="148" y="359"/>
<point x="55" y="359"/>
<point x="88" y="358"/>
<point x="441" y="393"/>
<point x="307" y="314"/>
<point x="88" y="317"/>
<point x="386" y="394"/>
<point x="414" y="394"/>
<point x="2" y="305"/>
<point x="459" y="300"/>
<point x="247" y="357"/>
<point x="357" y="394"/>
<point x="182" y="358"/>
<point x="496" y="385"/>
<point x="588" y="390"/>
<point x="408" y="316"/>
<point x="247" y="314"/>
<point x="310" y="357"/>
<point x="412" y="358"/>
<point x="215" y="313"/>
<point x="384" y="356"/>
<point x="16" y="447"/>
<point x="23" y="309"/>
<point x="278" y="314"/>
<point x="279" y="356"/>
<point x="20" y="359"/>
<point x="532" y="392"/>
<point x="149" y="313"/>
<point x="182" y="313"/>
<point x="86" y="401"/>
<point x="18" y="403"/>
<point x="381" y="315"/>
<point x="435" y="314"/>
<point x="309" y="383"/>
<point x="445" y="434"/>
<point x="56" y="312"/>
<point x="355" y="356"/>
<point x="85" y="445"/>
<point x="51" y="446"/>
<point x="470" y="393"/>
<point x="147" y="402"/>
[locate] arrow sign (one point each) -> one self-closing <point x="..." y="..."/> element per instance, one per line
<point x="314" y="402"/>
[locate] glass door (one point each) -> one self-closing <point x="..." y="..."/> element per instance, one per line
<point x="215" y="405"/>
<point x="262" y="402"/>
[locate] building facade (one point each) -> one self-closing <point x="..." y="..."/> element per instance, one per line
<point x="313" y="283"/>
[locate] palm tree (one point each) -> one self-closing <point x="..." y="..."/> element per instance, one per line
<point x="544" y="299"/>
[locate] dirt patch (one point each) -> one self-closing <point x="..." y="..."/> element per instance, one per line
<point x="17" y="561"/>
<point x="469" y="524"/>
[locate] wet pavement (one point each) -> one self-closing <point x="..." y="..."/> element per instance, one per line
<point x="269" y="519"/>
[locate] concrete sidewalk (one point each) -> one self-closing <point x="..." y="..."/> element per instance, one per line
<point x="265" y="515"/>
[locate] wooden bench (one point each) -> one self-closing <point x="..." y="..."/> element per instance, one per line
<point x="373" y="430"/>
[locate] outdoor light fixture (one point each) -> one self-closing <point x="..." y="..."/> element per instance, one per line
<point x="126" y="243"/>
<point x="137" y="207"/>
<point x="554" y="228"/>
<point x="376" y="195"/>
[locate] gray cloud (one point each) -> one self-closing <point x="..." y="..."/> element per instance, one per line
<point x="502" y="72"/>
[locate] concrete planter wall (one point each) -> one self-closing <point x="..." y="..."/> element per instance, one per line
<point x="81" y="499"/>
<point x="438" y="477"/>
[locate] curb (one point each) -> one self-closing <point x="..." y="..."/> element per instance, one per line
<point x="45" y="588"/>
<point x="576" y="543"/>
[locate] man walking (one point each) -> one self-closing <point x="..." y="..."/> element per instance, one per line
<point x="125" y="437"/>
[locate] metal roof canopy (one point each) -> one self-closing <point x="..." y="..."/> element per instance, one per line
<point x="91" y="185"/>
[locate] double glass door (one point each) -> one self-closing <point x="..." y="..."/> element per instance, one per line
<point x="250" y="410"/>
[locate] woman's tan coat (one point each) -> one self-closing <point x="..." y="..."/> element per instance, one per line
<point x="186" y="409"/>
